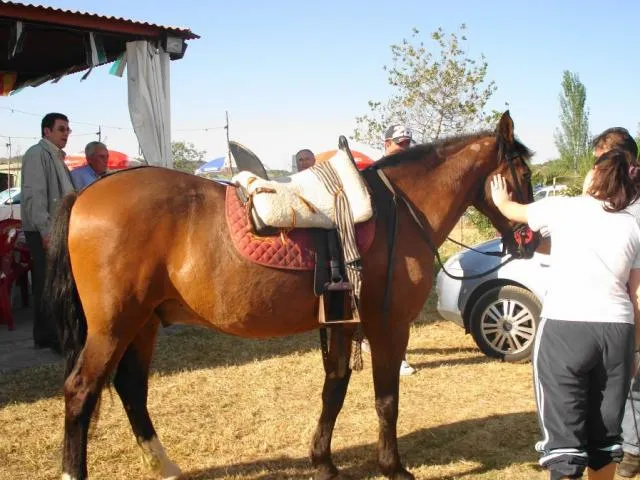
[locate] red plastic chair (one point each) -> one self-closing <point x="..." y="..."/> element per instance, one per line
<point x="15" y="262"/>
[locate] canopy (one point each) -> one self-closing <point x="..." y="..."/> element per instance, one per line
<point x="117" y="160"/>
<point x="362" y="160"/>
<point x="212" y="166"/>
<point x="82" y="41"/>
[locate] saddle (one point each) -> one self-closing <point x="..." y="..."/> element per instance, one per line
<point x="288" y="250"/>
<point x="320" y="219"/>
<point x="303" y="200"/>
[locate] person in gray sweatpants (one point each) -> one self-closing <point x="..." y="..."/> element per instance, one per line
<point x="621" y="139"/>
<point x="590" y="316"/>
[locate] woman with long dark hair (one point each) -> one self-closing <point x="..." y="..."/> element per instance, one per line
<point x="585" y="342"/>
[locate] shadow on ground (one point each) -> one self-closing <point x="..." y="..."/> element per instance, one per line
<point x="178" y="349"/>
<point x="39" y="374"/>
<point x="491" y="444"/>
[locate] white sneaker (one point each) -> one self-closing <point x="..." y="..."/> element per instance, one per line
<point x="406" y="369"/>
<point x="365" y="346"/>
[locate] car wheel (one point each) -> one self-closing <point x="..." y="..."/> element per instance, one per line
<point x="504" y="321"/>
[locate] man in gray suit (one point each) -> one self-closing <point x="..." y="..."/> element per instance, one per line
<point x="45" y="180"/>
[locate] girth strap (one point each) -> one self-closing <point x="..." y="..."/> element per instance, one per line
<point x="346" y="228"/>
<point x="350" y="253"/>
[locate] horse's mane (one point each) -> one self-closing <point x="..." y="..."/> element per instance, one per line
<point x="419" y="152"/>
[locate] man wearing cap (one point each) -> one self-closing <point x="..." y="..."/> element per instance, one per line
<point x="397" y="138"/>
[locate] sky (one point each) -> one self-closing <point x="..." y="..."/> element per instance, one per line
<point x="295" y="74"/>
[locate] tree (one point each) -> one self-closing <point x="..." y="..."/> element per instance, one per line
<point x="572" y="138"/>
<point x="437" y="95"/>
<point x="186" y="157"/>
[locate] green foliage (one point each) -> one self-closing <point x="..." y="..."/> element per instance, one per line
<point x="572" y="138"/>
<point x="573" y="189"/>
<point x="186" y="157"/>
<point x="479" y="221"/>
<point x="561" y="172"/>
<point x="437" y="94"/>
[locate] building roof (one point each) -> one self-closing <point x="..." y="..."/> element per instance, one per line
<point x="55" y="42"/>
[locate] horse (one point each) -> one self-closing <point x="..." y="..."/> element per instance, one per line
<point x="150" y="247"/>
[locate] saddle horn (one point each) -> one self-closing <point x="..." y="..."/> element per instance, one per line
<point x="343" y="145"/>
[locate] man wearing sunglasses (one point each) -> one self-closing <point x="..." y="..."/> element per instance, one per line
<point x="397" y="138"/>
<point x="45" y="180"/>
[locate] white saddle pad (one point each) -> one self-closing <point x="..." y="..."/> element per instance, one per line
<point x="302" y="200"/>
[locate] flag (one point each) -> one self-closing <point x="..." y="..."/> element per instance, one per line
<point x="7" y="82"/>
<point x="95" y="50"/>
<point x="84" y="77"/>
<point x="16" y="39"/>
<point x="118" y="66"/>
<point x="58" y="76"/>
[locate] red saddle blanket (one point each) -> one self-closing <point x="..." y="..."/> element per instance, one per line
<point x="292" y="251"/>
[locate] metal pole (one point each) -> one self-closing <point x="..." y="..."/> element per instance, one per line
<point x="10" y="177"/>
<point x="226" y="127"/>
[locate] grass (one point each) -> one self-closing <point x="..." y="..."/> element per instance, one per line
<point x="239" y="409"/>
<point x="230" y="408"/>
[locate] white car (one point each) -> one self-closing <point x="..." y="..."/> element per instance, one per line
<point x="10" y="203"/>
<point x="502" y="309"/>
<point x="549" y="191"/>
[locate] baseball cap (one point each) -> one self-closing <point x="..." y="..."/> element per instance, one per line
<point x="398" y="132"/>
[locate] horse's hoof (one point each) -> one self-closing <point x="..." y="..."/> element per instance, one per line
<point x="327" y="472"/>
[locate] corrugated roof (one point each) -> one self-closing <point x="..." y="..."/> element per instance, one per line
<point x="32" y="61"/>
<point x="179" y="31"/>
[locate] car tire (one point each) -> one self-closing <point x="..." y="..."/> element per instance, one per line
<point x="503" y="323"/>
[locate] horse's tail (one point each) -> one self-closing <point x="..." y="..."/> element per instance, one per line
<point x="61" y="301"/>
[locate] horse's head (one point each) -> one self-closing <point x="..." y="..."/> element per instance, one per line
<point x="511" y="158"/>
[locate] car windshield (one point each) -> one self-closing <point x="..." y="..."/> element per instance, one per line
<point x="539" y="195"/>
<point x="8" y="193"/>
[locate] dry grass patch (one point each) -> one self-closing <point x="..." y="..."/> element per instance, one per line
<point x="239" y="409"/>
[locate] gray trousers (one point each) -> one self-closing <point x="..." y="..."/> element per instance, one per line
<point x="631" y="420"/>
<point x="582" y="372"/>
<point x="43" y="331"/>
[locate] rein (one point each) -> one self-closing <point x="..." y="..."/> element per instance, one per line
<point x="522" y="233"/>
<point x="425" y="235"/>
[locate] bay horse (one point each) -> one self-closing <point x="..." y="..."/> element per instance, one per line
<point x="151" y="246"/>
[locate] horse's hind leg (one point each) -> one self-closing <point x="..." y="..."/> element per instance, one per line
<point x="132" y="384"/>
<point x="82" y="389"/>
<point x="336" y="381"/>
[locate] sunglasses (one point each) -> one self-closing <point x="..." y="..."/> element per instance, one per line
<point x="402" y="143"/>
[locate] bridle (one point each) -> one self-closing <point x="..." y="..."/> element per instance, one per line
<point x="524" y="238"/>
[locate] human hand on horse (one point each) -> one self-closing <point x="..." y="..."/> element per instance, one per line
<point x="499" y="193"/>
<point x="502" y="200"/>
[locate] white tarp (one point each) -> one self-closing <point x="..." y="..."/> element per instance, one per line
<point x="149" y="101"/>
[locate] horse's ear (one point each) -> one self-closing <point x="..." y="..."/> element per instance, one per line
<point x="505" y="128"/>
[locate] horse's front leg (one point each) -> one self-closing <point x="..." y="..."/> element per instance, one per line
<point x="336" y="381"/>
<point x="387" y="352"/>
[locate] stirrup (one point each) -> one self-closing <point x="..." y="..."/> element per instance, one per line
<point x="337" y="306"/>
